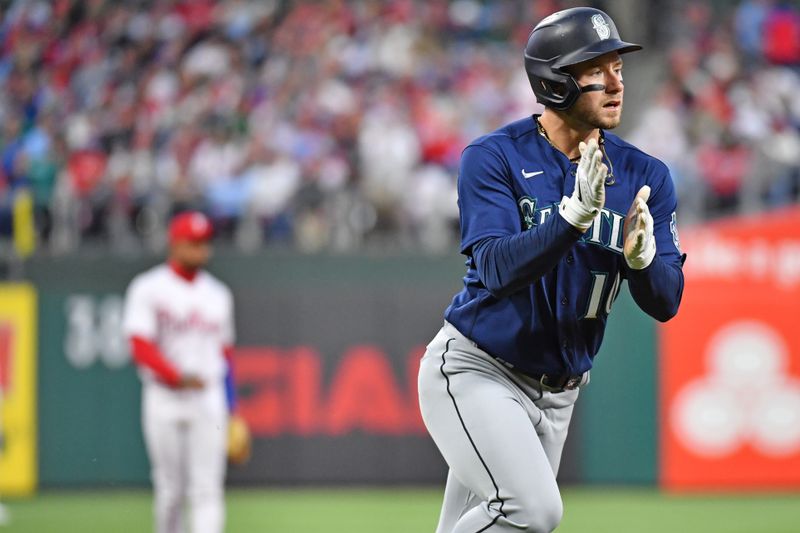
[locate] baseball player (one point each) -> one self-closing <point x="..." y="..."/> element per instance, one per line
<point x="555" y="212"/>
<point x="179" y="321"/>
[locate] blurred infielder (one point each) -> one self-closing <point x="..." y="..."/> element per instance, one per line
<point x="543" y="205"/>
<point x="179" y="320"/>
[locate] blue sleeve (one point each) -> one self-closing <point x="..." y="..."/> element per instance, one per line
<point x="506" y="257"/>
<point x="508" y="264"/>
<point x="486" y="201"/>
<point x="658" y="289"/>
<point x="230" y="388"/>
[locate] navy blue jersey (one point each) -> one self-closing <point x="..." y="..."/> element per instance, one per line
<point x="537" y="291"/>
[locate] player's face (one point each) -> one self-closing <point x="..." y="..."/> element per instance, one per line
<point x="191" y="254"/>
<point x="599" y="109"/>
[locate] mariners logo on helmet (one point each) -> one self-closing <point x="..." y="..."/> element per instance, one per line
<point x="601" y="26"/>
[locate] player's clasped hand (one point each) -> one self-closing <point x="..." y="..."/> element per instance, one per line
<point x="190" y="382"/>
<point x="589" y="195"/>
<point x="640" y="244"/>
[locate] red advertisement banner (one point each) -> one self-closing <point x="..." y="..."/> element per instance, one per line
<point x="730" y="361"/>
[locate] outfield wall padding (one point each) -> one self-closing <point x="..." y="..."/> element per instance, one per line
<point x="326" y="356"/>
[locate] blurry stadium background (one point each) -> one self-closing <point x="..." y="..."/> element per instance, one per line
<point x="322" y="137"/>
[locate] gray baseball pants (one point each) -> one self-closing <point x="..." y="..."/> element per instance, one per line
<point x="501" y="435"/>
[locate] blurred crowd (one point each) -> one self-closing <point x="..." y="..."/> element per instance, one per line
<point x="338" y="124"/>
<point x="726" y="120"/>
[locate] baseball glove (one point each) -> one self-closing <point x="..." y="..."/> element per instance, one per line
<point x="239" y="441"/>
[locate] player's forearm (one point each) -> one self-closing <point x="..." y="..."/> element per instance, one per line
<point x="508" y="264"/>
<point x="657" y="289"/>
<point x="146" y="354"/>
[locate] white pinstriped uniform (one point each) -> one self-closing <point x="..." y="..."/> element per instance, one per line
<point x="185" y="430"/>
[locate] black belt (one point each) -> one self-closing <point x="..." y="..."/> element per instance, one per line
<point x="550" y="382"/>
<point x="559" y="383"/>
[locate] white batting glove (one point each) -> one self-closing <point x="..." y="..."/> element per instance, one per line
<point x="589" y="195"/>
<point x="640" y="244"/>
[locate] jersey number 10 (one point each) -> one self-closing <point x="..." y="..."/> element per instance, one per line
<point x="596" y="294"/>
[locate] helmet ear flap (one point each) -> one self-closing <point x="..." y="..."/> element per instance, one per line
<point x="562" y="94"/>
<point x="552" y="87"/>
<point x="555" y="88"/>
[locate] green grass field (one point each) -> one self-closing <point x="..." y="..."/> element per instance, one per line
<point x="595" y="510"/>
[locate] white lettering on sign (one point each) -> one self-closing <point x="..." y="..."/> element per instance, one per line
<point x="746" y="398"/>
<point x="711" y="255"/>
<point x="94" y="331"/>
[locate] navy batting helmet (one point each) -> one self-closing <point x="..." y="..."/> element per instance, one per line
<point x="567" y="38"/>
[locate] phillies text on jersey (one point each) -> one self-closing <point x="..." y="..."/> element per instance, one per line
<point x="191" y="321"/>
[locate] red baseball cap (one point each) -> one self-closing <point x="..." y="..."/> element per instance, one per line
<point x="190" y="226"/>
